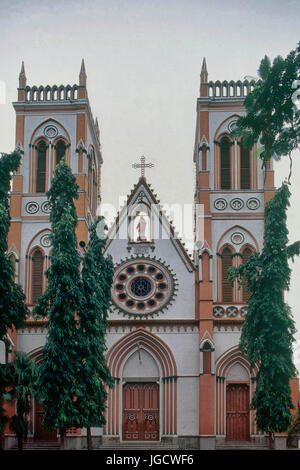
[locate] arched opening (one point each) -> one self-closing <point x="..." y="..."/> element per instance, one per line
<point x="147" y="368"/>
<point x="60" y="151"/>
<point x="37" y="275"/>
<point x="225" y="164"/>
<point x="245" y="168"/>
<point x="41" y="167"/>
<point x="246" y="294"/>
<point x="140" y="224"/>
<point x="227" y="291"/>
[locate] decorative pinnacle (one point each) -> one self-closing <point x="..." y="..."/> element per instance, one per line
<point x="204" y="74"/>
<point x="22" y="77"/>
<point x="82" y="74"/>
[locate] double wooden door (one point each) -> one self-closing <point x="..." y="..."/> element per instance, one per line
<point x="141" y="411"/>
<point x="237" y="412"/>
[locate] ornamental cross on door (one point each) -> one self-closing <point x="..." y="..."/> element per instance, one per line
<point x="142" y="166"/>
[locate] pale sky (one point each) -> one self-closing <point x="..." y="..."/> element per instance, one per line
<point x="143" y="61"/>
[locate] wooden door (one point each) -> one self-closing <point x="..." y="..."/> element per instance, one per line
<point x="141" y="411"/>
<point x="41" y="433"/>
<point x="237" y="412"/>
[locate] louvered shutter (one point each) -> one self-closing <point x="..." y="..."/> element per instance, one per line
<point x="226" y="286"/>
<point x="245" y="168"/>
<point x="246" y="294"/>
<point x="60" y="151"/>
<point x="225" y="164"/>
<point x="37" y="276"/>
<point x="41" y="168"/>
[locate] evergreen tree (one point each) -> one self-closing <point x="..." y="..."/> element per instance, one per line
<point x="97" y="276"/>
<point x="267" y="334"/>
<point x="13" y="310"/>
<point x="22" y="386"/>
<point x="272" y="118"/>
<point x="60" y="303"/>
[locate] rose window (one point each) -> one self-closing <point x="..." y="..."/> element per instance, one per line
<point x="142" y="287"/>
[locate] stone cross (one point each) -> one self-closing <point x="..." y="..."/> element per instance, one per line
<point x="143" y="165"/>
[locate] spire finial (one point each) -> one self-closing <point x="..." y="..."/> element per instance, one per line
<point x="204" y="74"/>
<point x="22" y="77"/>
<point x="82" y="74"/>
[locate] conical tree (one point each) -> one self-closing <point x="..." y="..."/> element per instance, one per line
<point x="61" y="302"/>
<point x="13" y="310"/>
<point x="94" y="375"/>
<point x="268" y="332"/>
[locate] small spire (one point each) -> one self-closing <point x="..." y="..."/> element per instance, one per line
<point x="204" y="74"/>
<point x="97" y="127"/>
<point x="82" y="74"/>
<point x="22" y="77"/>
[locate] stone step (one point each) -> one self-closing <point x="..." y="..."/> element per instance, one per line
<point x="38" y="445"/>
<point x="146" y="445"/>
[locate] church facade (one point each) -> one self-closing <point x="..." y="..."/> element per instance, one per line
<point x="175" y="321"/>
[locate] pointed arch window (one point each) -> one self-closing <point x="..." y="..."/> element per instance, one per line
<point x="60" y="151"/>
<point x="225" y="164"/>
<point x="245" y="168"/>
<point x="37" y="275"/>
<point x="41" y="167"/>
<point x="246" y="294"/>
<point x="227" y="291"/>
<point x="207" y="358"/>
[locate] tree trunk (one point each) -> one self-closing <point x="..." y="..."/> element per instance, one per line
<point x="62" y="438"/>
<point x="89" y="438"/>
<point x="20" y="442"/>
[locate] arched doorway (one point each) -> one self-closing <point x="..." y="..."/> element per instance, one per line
<point x="143" y="404"/>
<point x="234" y="391"/>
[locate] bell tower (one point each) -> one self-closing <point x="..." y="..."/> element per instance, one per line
<point x="52" y="122"/>
<point x="231" y="189"/>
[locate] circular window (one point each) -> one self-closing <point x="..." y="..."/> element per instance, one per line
<point x="142" y="287"/>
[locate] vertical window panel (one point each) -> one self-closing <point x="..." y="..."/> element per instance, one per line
<point x="60" y="151"/>
<point x="41" y="168"/>
<point x="37" y="276"/>
<point x="245" y="168"/>
<point x="225" y="164"/>
<point x="246" y="294"/>
<point x="227" y="291"/>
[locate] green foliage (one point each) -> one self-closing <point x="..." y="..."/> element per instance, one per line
<point x="61" y="302"/>
<point x="22" y="380"/>
<point x="13" y="310"/>
<point x="272" y="118"/>
<point x="268" y="331"/>
<point x="97" y="276"/>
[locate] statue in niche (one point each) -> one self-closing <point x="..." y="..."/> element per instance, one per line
<point x="141" y="228"/>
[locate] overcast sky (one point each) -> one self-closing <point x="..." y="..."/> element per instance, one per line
<point x="143" y="61"/>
